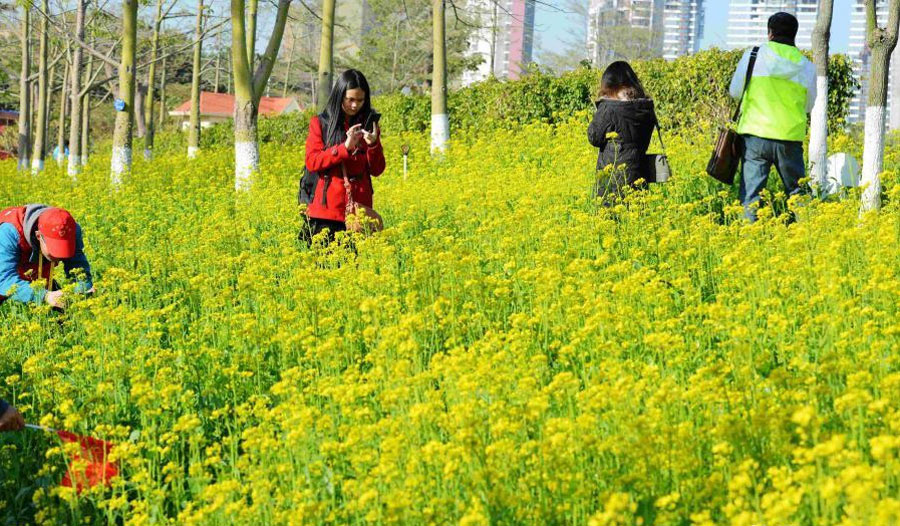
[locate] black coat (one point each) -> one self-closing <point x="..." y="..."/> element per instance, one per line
<point x="633" y="121"/>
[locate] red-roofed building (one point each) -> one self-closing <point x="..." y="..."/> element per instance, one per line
<point x="219" y="107"/>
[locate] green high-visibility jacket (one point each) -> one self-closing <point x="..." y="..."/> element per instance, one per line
<point x="782" y="92"/>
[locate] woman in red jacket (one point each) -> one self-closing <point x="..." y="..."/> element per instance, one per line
<point x="338" y="149"/>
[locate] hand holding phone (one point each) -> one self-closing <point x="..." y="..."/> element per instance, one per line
<point x="371" y="131"/>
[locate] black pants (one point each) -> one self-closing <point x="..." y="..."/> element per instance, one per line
<point x="310" y="226"/>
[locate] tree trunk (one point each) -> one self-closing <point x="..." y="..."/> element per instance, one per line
<point x="162" y="94"/>
<point x="326" y="55"/>
<point x="218" y="58"/>
<point x="287" y="76"/>
<point x="194" y="129"/>
<point x="86" y="112"/>
<point x="85" y="129"/>
<point x="818" y="134"/>
<point x="61" y="118"/>
<point x="140" y="92"/>
<point x="39" y="150"/>
<point x="121" y="146"/>
<point x="881" y="43"/>
<point x="230" y="74"/>
<point x="74" y="167"/>
<point x="252" y="11"/>
<point x="151" y="83"/>
<point x="440" y="123"/>
<point x="248" y="88"/>
<point x="25" y="94"/>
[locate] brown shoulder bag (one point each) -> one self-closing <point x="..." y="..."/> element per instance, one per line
<point x="730" y="146"/>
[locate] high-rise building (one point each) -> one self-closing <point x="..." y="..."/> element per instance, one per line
<point x="618" y="27"/>
<point x="354" y="19"/>
<point x="748" y="21"/>
<point x="504" y="39"/>
<point x="859" y="54"/>
<point x="683" y="22"/>
<point x="628" y="28"/>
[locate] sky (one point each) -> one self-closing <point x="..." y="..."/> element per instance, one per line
<point x="554" y="26"/>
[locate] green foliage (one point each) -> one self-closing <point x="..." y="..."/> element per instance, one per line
<point x="692" y="89"/>
<point x="842" y="85"/>
<point x="690" y="93"/>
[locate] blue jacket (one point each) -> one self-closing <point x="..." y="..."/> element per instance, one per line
<point x="10" y="253"/>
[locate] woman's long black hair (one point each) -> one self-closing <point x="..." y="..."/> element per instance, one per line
<point x="332" y="117"/>
<point x="618" y="78"/>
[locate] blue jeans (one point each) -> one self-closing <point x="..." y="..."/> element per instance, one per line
<point x="759" y="156"/>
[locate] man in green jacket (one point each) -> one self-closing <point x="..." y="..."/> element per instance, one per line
<point x="781" y="93"/>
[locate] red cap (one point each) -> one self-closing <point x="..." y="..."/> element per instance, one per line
<point x="58" y="230"/>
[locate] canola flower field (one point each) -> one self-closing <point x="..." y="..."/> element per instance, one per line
<point x="506" y="352"/>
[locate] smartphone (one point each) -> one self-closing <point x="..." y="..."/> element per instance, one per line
<point x="371" y="120"/>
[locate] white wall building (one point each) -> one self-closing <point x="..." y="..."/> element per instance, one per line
<point x="673" y="27"/>
<point x="859" y="54"/>
<point x="505" y="39"/>
<point x="682" y="27"/>
<point x="748" y="21"/>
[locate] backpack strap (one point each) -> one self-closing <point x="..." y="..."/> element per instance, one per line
<point x="753" y="54"/>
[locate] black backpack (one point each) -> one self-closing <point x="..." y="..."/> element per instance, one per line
<point x="308" y="184"/>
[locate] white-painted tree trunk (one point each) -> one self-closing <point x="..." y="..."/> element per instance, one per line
<point x="873" y="160"/>
<point x="37" y="165"/>
<point x="246" y="163"/>
<point x="818" y="139"/>
<point x="192" y="152"/>
<point x="120" y="163"/>
<point x="440" y="132"/>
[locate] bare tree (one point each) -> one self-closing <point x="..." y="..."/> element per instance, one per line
<point x="122" y="135"/>
<point x="74" y="160"/>
<point x="326" y="55"/>
<point x="249" y="87"/>
<point x="818" y="136"/>
<point x="40" y="132"/>
<point x="194" y="129"/>
<point x="881" y="42"/>
<point x="25" y="93"/>
<point x="61" y="116"/>
<point x="440" y="123"/>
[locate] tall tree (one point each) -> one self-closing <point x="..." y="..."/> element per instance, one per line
<point x="162" y="93"/>
<point x="249" y="87"/>
<point x="818" y="136"/>
<point x="151" y="82"/>
<point x="881" y="42"/>
<point x="74" y="161"/>
<point x="61" y="115"/>
<point x="40" y="132"/>
<point x="326" y="55"/>
<point x="86" y="114"/>
<point x="122" y="135"/>
<point x="194" y="129"/>
<point x="252" y="14"/>
<point x="287" y="76"/>
<point x="440" y="122"/>
<point x="25" y="92"/>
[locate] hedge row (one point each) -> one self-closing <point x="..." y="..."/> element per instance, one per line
<point x="691" y="90"/>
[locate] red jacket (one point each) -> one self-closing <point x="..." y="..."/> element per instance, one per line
<point x="366" y="162"/>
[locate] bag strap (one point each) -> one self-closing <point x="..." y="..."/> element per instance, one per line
<point x="350" y="204"/>
<point x="659" y="135"/>
<point x="753" y="54"/>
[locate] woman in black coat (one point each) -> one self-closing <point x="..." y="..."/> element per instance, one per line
<point x="622" y="128"/>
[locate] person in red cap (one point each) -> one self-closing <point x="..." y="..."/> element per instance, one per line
<point x="33" y="239"/>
